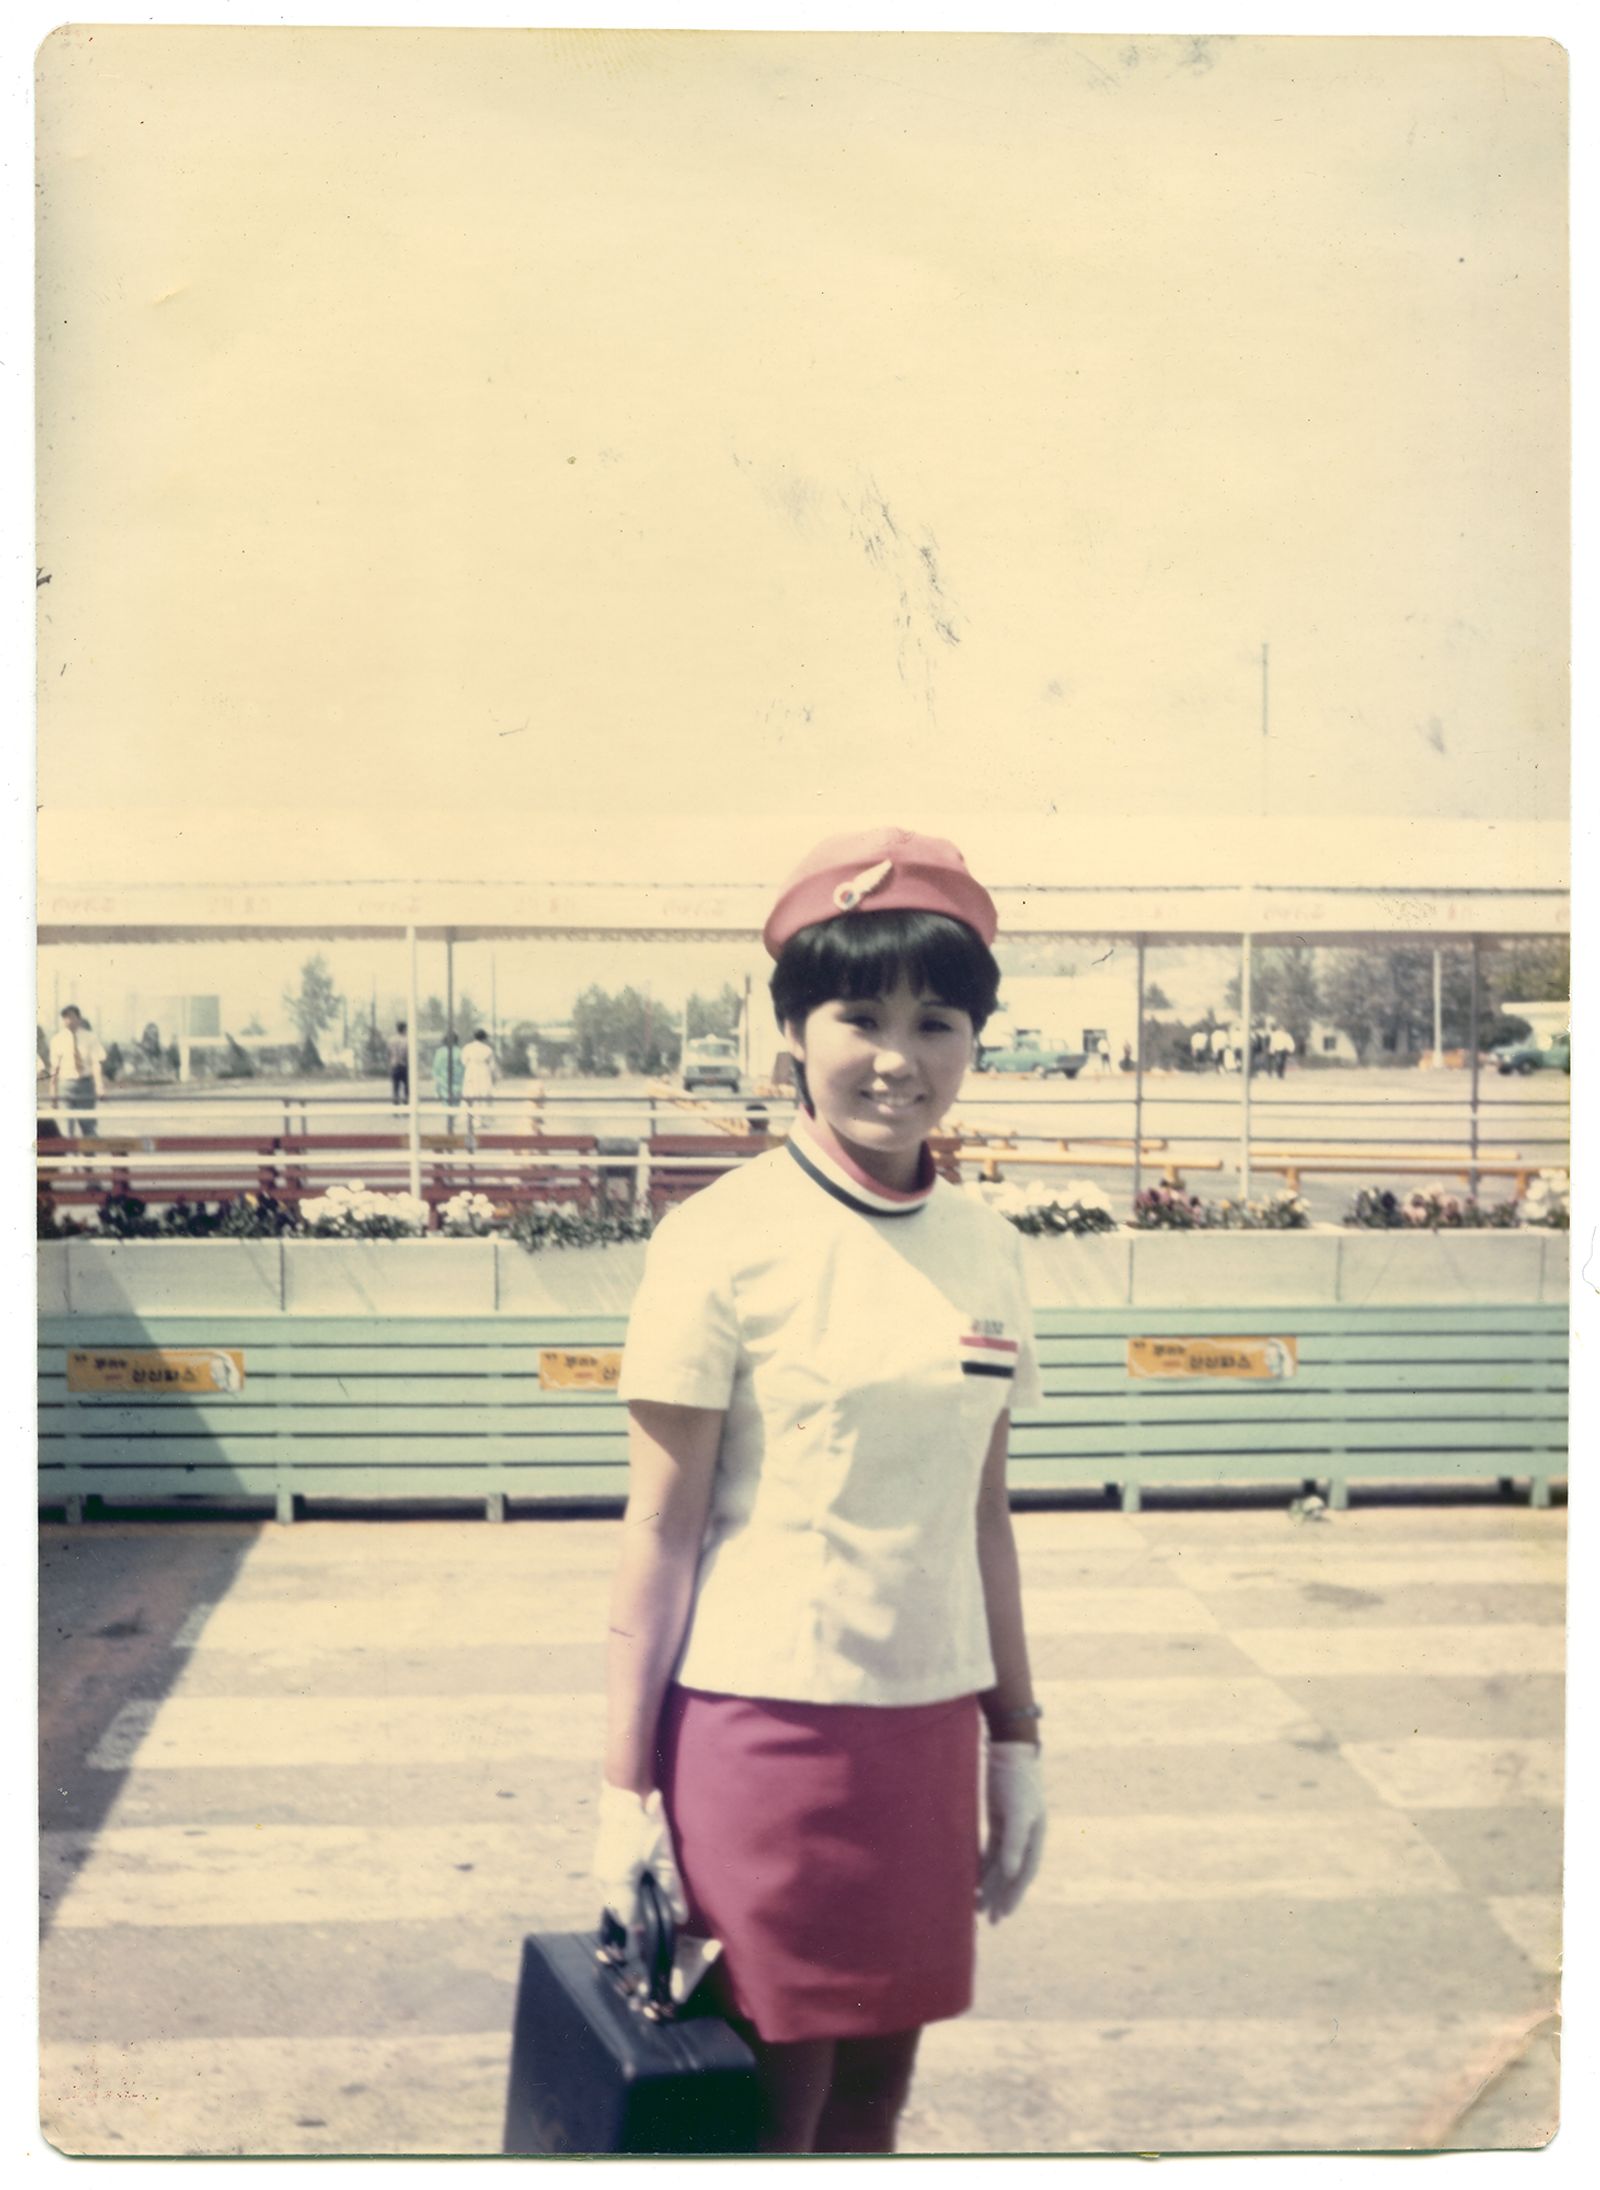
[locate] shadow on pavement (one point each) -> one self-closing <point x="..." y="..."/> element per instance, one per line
<point x="120" y="1604"/>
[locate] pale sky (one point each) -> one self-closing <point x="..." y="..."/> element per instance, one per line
<point x="495" y="423"/>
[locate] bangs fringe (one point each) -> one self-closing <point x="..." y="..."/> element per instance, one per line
<point x="866" y="954"/>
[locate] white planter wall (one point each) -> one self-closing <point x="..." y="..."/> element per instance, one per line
<point x="1376" y="1271"/>
<point x="485" y="1277"/>
<point x="357" y="1277"/>
<point x="568" y="1281"/>
<point x="1094" y="1272"/>
<point x="172" y="1277"/>
<point x="1240" y="1269"/>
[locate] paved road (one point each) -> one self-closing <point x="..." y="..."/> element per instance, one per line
<point x="305" y="1787"/>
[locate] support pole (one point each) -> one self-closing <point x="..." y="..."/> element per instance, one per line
<point x="413" y="1126"/>
<point x="450" y="1031"/>
<point x="1247" y="1015"/>
<point x="1472" y="1043"/>
<point x="1138" y="1083"/>
<point x="1438" y="1009"/>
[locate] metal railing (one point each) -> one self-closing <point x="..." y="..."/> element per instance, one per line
<point x="1167" y="1127"/>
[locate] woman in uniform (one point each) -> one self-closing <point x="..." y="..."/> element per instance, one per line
<point x="817" y="1616"/>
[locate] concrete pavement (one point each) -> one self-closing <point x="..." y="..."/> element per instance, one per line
<point x="306" y="1787"/>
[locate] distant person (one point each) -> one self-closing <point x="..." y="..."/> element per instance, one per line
<point x="1280" y="1048"/>
<point x="1219" y="1049"/>
<point x="77" y="1070"/>
<point x="399" y="1064"/>
<point x="1127" y="1056"/>
<point x="478" y="1071"/>
<point x="1199" y="1047"/>
<point x="1102" y="1051"/>
<point x="447" y="1073"/>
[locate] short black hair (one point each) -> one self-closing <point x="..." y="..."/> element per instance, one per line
<point x="865" y="954"/>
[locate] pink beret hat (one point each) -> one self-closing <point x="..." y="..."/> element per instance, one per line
<point x="879" y="870"/>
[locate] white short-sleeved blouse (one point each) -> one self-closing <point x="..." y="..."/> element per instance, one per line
<point x="862" y="1345"/>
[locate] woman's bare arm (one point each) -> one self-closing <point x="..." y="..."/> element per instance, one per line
<point x="672" y="1459"/>
<point x="1002" y="1599"/>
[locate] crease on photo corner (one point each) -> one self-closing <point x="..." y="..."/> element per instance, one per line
<point x="1450" y="2122"/>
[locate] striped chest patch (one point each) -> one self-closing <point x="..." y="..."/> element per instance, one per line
<point x="985" y="1350"/>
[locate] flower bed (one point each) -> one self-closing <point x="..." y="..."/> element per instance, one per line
<point x="1076" y="1210"/>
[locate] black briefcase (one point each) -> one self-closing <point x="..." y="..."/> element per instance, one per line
<point x="602" y="2060"/>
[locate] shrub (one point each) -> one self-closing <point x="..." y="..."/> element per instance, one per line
<point x="467" y="1216"/>
<point x="1077" y="1210"/>
<point x="544" y="1224"/>
<point x="1170" y="1209"/>
<point x="1547" y="1202"/>
<point x="255" y="1216"/>
<point x="1428" y="1209"/>
<point x="52" y="1225"/>
<point x="125" y="1216"/>
<point x="1284" y="1211"/>
<point x="360" y="1212"/>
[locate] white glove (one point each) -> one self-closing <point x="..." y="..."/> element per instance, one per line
<point x="1014" y="1785"/>
<point x="633" y="1838"/>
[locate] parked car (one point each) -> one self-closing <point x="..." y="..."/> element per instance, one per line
<point x="1530" y="1055"/>
<point x="1040" y="1060"/>
<point x="710" y="1060"/>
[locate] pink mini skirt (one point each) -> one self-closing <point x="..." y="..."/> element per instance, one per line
<point x="833" y="1849"/>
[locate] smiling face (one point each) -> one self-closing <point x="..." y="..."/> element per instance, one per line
<point x="882" y="1071"/>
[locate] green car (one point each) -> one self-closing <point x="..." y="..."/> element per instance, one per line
<point x="1531" y="1056"/>
<point x="1041" y="1063"/>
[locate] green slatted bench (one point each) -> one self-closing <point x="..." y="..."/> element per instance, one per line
<point x="1457" y="1393"/>
<point x="408" y="1408"/>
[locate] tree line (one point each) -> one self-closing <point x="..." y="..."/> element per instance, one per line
<point x="1379" y="994"/>
<point x="631" y="1031"/>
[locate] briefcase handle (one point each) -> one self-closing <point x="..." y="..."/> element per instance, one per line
<point x="658" y="1944"/>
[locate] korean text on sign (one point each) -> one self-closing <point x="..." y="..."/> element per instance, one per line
<point x="1265" y="1360"/>
<point x="585" y="1369"/>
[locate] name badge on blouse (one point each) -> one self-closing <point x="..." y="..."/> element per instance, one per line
<point x="985" y="1349"/>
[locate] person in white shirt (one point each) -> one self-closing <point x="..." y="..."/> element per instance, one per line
<point x="77" y="1070"/>
<point x="1280" y="1047"/>
<point x="817" y="1599"/>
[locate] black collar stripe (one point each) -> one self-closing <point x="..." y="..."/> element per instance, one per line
<point x="839" y="1193"/>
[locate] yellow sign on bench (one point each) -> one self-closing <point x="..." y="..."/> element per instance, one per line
<point x="172" y="1369"/>
<point x="583" y="1369"/>
<point x="1261" y="1359"/>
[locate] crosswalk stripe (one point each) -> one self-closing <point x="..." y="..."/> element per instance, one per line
<point x="1222" y="1856"/>
<point x="1337" y="2082"/>
<point x="259" y="1731"/>
<point x="1413" y="1651"/>
<point x="311" y="1874"/>
<point x="1427" y="1772"/>
<point x="228" y="1731"/>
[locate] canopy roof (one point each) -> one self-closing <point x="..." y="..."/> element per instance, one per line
<point x="714" y="878"/>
